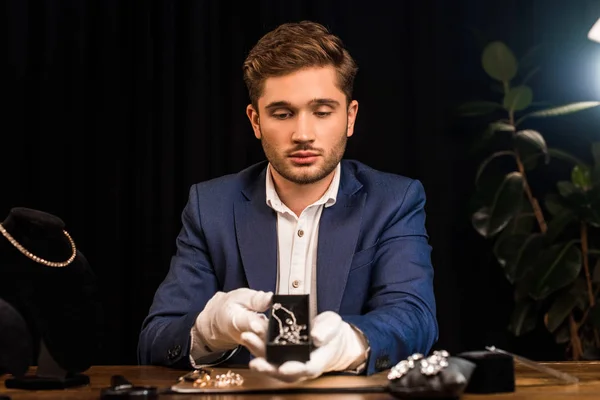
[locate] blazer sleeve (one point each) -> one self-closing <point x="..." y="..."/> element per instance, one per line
<point x="189" y="284"/>
<point x="400" y="317"/>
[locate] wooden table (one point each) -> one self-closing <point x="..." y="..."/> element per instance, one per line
<point x="530" y="385"/>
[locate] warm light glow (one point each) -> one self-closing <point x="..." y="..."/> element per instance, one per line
<point x="595" y="32"/>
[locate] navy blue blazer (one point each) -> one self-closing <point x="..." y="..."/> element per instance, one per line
<point x="373" y="262"/>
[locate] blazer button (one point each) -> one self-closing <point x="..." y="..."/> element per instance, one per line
<point x="174" y="352"/>
<point x="177" y="351"/>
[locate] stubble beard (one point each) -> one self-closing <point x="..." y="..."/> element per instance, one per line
<point x="301" y="174"/>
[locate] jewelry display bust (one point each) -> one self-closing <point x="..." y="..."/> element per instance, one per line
<point x="288" y="336"/>
<point x="51" y="284"/>
<point x="16" y="347"/>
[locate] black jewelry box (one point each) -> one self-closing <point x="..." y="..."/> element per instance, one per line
<point x="494" y="372"/>
<point x="288" y="335"/>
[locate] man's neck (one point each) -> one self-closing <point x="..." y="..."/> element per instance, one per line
<point x="297" y="197"/>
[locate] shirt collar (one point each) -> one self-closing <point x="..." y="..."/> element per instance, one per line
<point x="328" y="199"/>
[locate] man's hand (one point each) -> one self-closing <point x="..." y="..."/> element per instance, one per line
<point x="227" y="315"/>
<point x="338" y="348"/>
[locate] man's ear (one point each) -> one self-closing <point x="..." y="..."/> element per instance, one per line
<point x="254" y="118"/>
<point x="352" y="113"/>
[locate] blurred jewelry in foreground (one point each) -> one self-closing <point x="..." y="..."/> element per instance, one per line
<point x="427" y="366"/>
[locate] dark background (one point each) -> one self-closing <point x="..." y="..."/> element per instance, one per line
<point x="112" y="109"/>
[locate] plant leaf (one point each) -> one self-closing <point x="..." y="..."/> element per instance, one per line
<point x="589" y="211"/>
<point x="518" y="98"/>
<point x="506" y="250"/>
<point x="485" y="192"/>
<point x="562" y="334"/>
<point x="534" y="138"/>
<point x="563" y="155"/>
<point x="522" y="223"/>
<point x="489" y="159"/>
<point x="560" y="310"/>
<point x="531" y="144"/>
<point x="490" y="220"/>
<point x="477" y="108"/>
<point x="557" y="225"/>
<point x="585" y="204"/>
<point x="523" y="318"/>
<point x="488" y="135"/>
<point x="517" y="253"/>
<point x="554" y="204"/>
<point x="565" y="109"/>
<point x="579" y="290"/>
<point x="500" y="126"/>
<point x="563" y="305"/>
<point x="557" y="267"/>
<point x="566" y="188"/>
<point x="499" y="61"/>
<point x="581" y="177"/>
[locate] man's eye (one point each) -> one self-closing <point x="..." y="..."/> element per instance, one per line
<point x="322" y="114"/>
<point x="282" y="115"/>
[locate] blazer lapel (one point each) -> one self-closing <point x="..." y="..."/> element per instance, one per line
<point x="338" y="234"/>
<point x="256" y="230"/>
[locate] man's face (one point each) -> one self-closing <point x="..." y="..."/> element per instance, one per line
<point x="303" y="123"/>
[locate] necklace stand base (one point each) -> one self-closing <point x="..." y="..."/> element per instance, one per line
<point x="49" y="376"/>
<point x="33" y="382"/>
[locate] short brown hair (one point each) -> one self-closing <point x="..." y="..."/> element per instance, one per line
<point x="294" y="46"/>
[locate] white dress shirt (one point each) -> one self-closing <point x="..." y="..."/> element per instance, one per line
<point x="297" y="240"/>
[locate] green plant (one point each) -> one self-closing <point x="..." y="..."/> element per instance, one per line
<point x="548" y="251"/>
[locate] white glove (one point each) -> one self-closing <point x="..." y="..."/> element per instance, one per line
<point x="227" y="315"/>
<point x="339" y="347"/>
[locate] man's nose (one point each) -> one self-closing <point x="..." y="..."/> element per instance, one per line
<point x="304" y="131"/>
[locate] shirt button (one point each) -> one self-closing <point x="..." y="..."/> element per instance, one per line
<point x="296" y="283"/>
<point x="300" y="233"/>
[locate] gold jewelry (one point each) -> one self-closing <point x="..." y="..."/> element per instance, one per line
<point x="221" y="380"/>
<point x="37" y="259"/>
<point x="195" y="375"/>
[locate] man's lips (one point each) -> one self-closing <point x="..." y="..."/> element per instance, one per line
<point x="304" y="154"/>
<point x="304" y="157"/>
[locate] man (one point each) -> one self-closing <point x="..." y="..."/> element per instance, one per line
<point x="303" y="222"/>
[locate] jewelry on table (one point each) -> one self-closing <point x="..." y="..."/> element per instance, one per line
<point x="194" y="375"/>
<point x="220" y="380"/>
<point x="428" y="366"/>
<point x="291" y="332"/>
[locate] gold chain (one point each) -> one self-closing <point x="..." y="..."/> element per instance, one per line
<point x="39" y="259"/>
